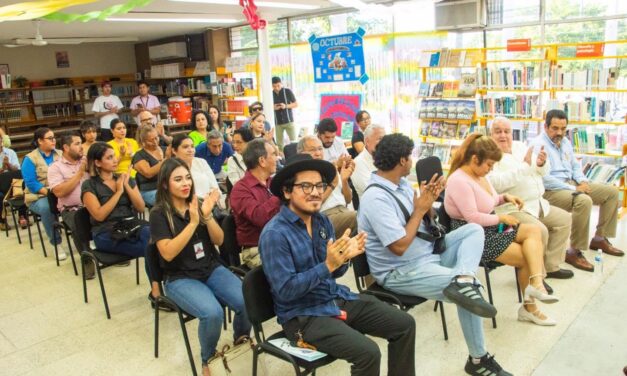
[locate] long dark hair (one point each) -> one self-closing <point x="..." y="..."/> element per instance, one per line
<point x="218" y="120"/>
<point x="164" y="199"/>
<point x="477" y="144"/>
<point x="195" y="113"/>
<point x="95" y="153"/>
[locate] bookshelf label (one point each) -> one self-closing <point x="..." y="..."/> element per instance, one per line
<point x="590" y="50"/>
<point x="518" y="45"/>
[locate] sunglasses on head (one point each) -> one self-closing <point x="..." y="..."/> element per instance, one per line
<point x="257" y="108"/>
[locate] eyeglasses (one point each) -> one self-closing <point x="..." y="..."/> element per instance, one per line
<point x="51" y="138"/>
<point x="257" y="109"/>
<point x="308" y="187"/>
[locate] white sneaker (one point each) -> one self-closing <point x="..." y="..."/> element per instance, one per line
<point x="61" y="252"/>
<point x="524" y="315"/>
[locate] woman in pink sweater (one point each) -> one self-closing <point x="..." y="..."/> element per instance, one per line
<point x="470" y="198"/>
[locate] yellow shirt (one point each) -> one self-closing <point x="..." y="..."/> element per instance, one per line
<point x="124" y="161"/>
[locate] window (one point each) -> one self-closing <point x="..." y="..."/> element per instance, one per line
<point x="302" y="29"/>
<point x="242" y="37"/>
<point x="277" y="33"/>
<point x="406" y="20"/>
<point x="570" y="9"/>
<point x="502" y="12"/>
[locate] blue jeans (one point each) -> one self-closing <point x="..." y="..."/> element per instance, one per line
<point x="42" y="208"/>
<point x="133" y="248"/>
<point x="204" y="299"/>
<point x="464" y="248"/>
<point x="149" y="197"/>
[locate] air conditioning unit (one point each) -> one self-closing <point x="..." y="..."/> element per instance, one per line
<point x="460" y="14"/>
<point x="168" y="51"/>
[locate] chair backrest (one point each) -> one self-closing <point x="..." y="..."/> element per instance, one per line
<point x="83" y="229"/>
<point x="152" y="259"/>
<point x="258" y="300"/>
<point x="426" y="168"/>
<point x="52" y="203"/>
<point x="355" y="201"/>
<point x="361" y="271"/>
<point x="230" y="249"/>
<point x="290" y="150"/>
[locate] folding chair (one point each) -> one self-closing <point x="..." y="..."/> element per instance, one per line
<point x="60" y="226"/>
<point x="230" y="249"/>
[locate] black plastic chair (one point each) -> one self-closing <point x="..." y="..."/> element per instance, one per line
<point x="488" y="267"/>
<point x="230" y="248"/>
<point x="260" y="308"/>
<point x="37" y="220"/>
<point x="289" y="150"/>
<point x="426" y="168"/>
<point x="101" y="259"/>
<point x="361" y="270"/>
<point x="60" y="226"/>
<point x="15" y="206"/>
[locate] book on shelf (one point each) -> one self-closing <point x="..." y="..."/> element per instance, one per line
<point x="434" y="61"/>
<point x="508" y="78"/>
<point x="588" y="79"/>
<point x="512" y="106"/>
<point x="444" y="56"/>
<point x="456" y="58"/>
<point x="588" y="108"/>
<point x="426" y="150"/>
<point x="447" y="109"/>
<point x="441" y="109"/>
<point x="450" y="89"/>
<point x="450" y="129"/>
<point x="425" y="59"/>
<point x="424" y="128"/>
<point x="5" y="81"/>
<point x="472" y="58"/>
<point x="437" y="89"/>
<point x="436" y="129"/>
<point x="462" y="131"/>
<point x="423" y="91"/>
<point x="467" y="85"/>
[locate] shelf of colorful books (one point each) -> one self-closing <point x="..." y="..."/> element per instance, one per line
<point x="531" y="119"/>
<point x="515" y="90"/>
<point x="446" y="119"/>
<point x="600" y="155"/>
<point x="591" y="58"/>
<point x="588" y="122"/>
<point x="442" y="141"/>
<point x="539" y="60"/>
<point x="582" y="90"/>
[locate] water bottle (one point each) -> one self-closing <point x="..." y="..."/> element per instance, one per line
<point x="598" y="265"/>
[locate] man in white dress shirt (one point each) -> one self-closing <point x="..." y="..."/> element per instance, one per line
<point x="333" y="146"/>
<point x="338" y="195"/>
<point x="520" y="173"/>
<point x="364" y="164"/>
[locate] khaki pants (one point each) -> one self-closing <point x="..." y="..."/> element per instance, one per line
<point x="555" y="229"/>
<point x="606" y="196"/>
<point x="342" y="218"/>
<point x="291" y="133"/>
<point x="250" y="257"/>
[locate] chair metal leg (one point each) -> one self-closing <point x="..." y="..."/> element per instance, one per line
<point x="156" y="329"/>
<point x="187" y="346"/>
<point x="518" y="286"/>
<point x="30" y="236"/>
<point x="83" y="275"/>
<point x="102" y="289"/>
<point x="17" y="229"/>
<point x="435" y="306"/>
<point x="69" y="245"/>
<point x="443" y="317"/>
<point x="487" y="281"/>
<point x="224" y="317"/>
<point x="255" y="359"/>
<point x="137" y="271"/>
<point x="41" y="239"/>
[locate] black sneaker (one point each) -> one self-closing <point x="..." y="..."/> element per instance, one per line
<point x="486" y="367"/>
<point x="468" y="296"/>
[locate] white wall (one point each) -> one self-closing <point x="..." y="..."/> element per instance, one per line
<point x="90" y="59"/>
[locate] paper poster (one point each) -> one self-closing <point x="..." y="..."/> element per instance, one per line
<point x="340" y="107"/>
<point x="339" y="58"/>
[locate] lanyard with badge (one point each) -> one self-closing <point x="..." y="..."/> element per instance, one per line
<point x="199" y="249"/>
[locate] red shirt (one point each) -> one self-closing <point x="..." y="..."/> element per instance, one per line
<point x="253" y="206"/>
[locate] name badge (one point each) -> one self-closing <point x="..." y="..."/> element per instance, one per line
<point x="199" y="250"/>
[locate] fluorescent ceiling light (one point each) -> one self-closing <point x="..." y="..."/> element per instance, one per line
<point x="261" y="4"/>
<point x="176" y="20"/>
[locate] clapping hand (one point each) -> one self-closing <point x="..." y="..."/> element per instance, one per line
<point x="194" y="216"/>
<point x="209" y="202"/>
<point x="429" y="193"/>
<point x="345" y="248"/>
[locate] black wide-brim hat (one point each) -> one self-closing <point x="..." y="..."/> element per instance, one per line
<point x="298" y="163"/>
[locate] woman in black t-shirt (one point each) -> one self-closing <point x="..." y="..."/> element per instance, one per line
<point x="186" y="234"/>
<point x="147" y="162"/>
<point x="110" y="198"/>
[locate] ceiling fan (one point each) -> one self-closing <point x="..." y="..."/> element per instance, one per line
<point x="39" y="40"/>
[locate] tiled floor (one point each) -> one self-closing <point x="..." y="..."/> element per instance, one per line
<point x="46" y="329"/>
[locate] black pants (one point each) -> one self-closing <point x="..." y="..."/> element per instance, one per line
<point x="346" y="339"/>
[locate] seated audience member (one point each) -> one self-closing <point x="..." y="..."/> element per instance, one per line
<point x="568" y="188"/>
<point x="35" y="173"/>
<point x="407" y="263"/>
<point x="251" y="201"/>
<point x="204" y="180"/>
<point x="147" y="162"/>
<point x="215" y="151"/>
<point x="215" y="123"/>
<point x="235" y="166"/>
<point x="364" y="163"/>
<point x="470" y="198"/>
<point x="302" y="259"/>
<point x="9" y="170"/>
<point x="333" y="146"/>
<point x="110" y="198"/>
<point x="257" y="127"/>
<point x="124" y="148"/>
<point x="5" y="140"/>
<point x="185" y="233"/>
<point x="65" y="177"/>
<point x="200" y="122"/>
<point x="254" y="108"/>
<point x="520" y="173"/>
<point x="145" y="117"/>
<point x="363" y="121"/>
<point x="89" y="132"/>
<point x="339" y="195"/>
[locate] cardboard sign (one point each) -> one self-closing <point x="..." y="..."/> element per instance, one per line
<point x="590" y="50"/>
<point x="340" y="107"/>
<point x="339" y="58"/>
<point x="515" y="45"/>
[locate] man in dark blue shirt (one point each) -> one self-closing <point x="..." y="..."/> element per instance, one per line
<point x="215" y="151"/>
<point x="301" y="260"/>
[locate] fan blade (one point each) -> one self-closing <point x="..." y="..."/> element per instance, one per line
<point x="14" y="45"/>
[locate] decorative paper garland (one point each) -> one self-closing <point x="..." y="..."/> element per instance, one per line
<point x="36" y="9"/>
<point x="99" y="14"/>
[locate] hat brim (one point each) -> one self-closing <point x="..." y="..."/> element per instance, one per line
<point x="326" y="169"/>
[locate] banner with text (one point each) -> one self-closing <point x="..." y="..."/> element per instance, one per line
<point x="339" y="58"/>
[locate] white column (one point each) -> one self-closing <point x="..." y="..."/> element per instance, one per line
<point x="265" y="81"/>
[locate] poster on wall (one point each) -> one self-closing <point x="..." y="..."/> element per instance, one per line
<point x="342" y="108"/>
<point x="63" y="59"/>
<point x="339" y="58"/>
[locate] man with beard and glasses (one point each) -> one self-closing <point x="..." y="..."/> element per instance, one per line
<point x="568" y="188"/>
<point x="302" y="260"/>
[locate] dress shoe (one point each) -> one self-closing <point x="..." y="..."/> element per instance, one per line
<point x="524" y="315"/>
<point x="560" y="274"/>
<point x="548" y="288"/>
<point x="577" y="259"/>
<point x="606" y="246"/>
<point x="544" y="297"/>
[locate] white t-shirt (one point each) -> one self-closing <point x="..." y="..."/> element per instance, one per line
<point x="203" y="178"/>
<point x="104" y="104"/>
<point x="335" y="199"/>
<point x="336" y="150"/>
